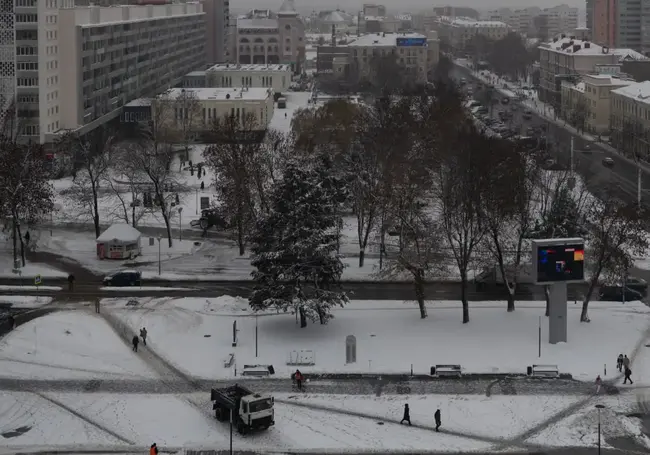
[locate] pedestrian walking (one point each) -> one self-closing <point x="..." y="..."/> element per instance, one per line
<point x="135" y="342"/>
<point x="407" y="415"/>
<point x="619" y="363"/>
<point x="12" y="322"/>
<point x="298" y="377"/>
<point x="153" y="450"/>
<point x="71" y="282"/>
<point x="628" y="373"/>
<point x="436" y="416"/>
<point x="97" y="306"/>
<point x="27" y="238"/>
<point x="626" y="362"/>
<point x="143" y="335"/>
<point x="599" y="383"/>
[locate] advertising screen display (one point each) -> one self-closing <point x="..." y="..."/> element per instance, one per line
<point x="562" y="262"/>
<point x="411" y="41"/>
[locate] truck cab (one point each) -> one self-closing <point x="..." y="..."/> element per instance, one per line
<point x="251" y="411"/>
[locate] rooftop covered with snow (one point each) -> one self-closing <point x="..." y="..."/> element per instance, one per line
<point x="469" y="22"/>
<point x="249" y="67"/>
<point x="222" y="94"/>
<point x="639" y="91"/>
<point x="120" y="232"/>
<point x="382" y="39"/>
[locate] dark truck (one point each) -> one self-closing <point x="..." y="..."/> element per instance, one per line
<point x="250" y="411"/>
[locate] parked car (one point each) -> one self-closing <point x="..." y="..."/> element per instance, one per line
<point x="123" y="278"/>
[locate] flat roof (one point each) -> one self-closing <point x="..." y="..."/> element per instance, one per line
<point x="383" y="39"/>
<point x="249" y="67"/>
<point x="222" y="94"/>
<point x="639" y="91"/>
<point x="139" y="102"/>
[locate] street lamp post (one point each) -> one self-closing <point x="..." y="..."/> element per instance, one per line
<point x="159" y="263"/>
<point x="599" y="407"/>
<point x="180" y="223"/>
<point x="196" y="201"/>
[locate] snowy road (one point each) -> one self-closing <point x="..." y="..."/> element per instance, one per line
<point x="370" y="386"/>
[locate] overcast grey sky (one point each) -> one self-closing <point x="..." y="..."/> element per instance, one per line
<point x="402" y="5"/>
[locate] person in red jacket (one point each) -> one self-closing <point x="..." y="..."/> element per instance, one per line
<point x="298" y="377"/>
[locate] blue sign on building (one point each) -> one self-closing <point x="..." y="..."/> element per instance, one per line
<point x="411" y="42"/>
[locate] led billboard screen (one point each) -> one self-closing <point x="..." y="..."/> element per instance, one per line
<point x="411" y="41"/>
<point x="560" y="262"/>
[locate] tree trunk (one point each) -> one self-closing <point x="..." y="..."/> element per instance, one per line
<point x="419" y="292"/>
<point x="303" y="318"/>
<point x="15" y="239"/>
<point x="167" y="224"/>
<point x="321" y="316"/>
<point x="241" y="239"/>
<point x="463" y="295"/>
<point x="95" y="208"/>
<point x="22" y="245"/>
<point x="584" y="316"/>
<point x="362" y="255"/>
<point x="511" y="296"/>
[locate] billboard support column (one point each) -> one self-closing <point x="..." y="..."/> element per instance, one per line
<point x="557" y="313"/>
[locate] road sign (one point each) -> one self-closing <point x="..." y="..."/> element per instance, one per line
<point x="37" y="280"/>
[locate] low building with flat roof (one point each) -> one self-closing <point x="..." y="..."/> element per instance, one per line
<point x="205" y="105"/>
<point x="275" y="76"/>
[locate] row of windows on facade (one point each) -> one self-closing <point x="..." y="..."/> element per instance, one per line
<point x="32" y="18"/>
<point x="159" y="39"/>
<point x="33" y="81"/>
<point x="211" y="113"/>
<point x="247" y="81"/>
<point x="393" y="51"/>
<point x="260" y="48"/>
<point x="133" y="48"/>
<point x="152" y="28"/>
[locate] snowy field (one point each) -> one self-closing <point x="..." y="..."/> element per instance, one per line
<point x="390" y="336"/>
<point x="68" y="345"/>
<point x="187" y="422"/>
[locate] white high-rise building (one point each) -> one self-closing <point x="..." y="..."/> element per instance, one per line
<point x="76" y="66"/>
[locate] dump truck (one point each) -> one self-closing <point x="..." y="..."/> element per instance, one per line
<point x="250" y="411"/>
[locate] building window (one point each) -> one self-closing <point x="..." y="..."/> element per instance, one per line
<point x="287" y="27"/>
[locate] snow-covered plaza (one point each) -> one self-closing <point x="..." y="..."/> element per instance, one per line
<point x="70" y="381"/>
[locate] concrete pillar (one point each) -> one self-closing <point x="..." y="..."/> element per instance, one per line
<point x="557" y="313"/>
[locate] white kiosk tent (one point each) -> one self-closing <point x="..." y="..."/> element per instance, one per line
<point x="120" y="241"/>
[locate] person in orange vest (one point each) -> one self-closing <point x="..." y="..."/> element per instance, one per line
<point x="153" y="450"/>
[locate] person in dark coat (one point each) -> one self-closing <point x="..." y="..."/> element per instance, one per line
<point x="619" y="362"/>
<point x="27" y="237"/>
<point x="143" y="335"/>
<point x="71" y="282"/>
<point x="135" y="342"/>
<point x="628" y="373"/>
<point x="407" y="415"/>
<point x="12" y="322"/>
<point x="436" y="416"/>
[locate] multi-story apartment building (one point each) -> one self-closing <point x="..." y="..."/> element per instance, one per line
<point x="263" y="36"/>
<point x="458" y="31"/>
<point x="591" y="99"/>
<point x="590" y="13"/>
<point x="560" y="19"/>
<point x="77" y="65"/>
<point x="370" y="9"/>
<point x="217" y="15"/>
<point x="215" y="103"/>
<point x="114" y="55"/>
<point x="8" y="17"/>
<point x="630" y="119"/>
<point x="622" y="23"/>
<point x="410" y="50"/>
<point x="277" y="77"/>
<point x="566" y="58"/>
<point x="424" y="22"/>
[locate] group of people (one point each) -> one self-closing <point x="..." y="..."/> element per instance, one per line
<point x="136" y="340"/>
<point x="407" y="417"/>
<point x="623" y="366"/>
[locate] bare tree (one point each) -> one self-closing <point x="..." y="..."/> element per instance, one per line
<point x="617" y="234"/>
<point x="461" y="181"/>
<point x="187" y="109"/>
<point x="242" y="176"/>
<point x="581" y="113"/>
<point x="25" y="192"/>
<point x="91" y="156"/>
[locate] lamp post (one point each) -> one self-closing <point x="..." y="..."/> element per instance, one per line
<point x="159" y="263"/>
<point x="196" y="201"/>
<point x="255" y="336"/>
<point x="599" y="407"/>
<point x="180" y="223"/>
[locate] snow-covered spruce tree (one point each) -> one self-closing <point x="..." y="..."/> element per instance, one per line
<point x="294" y="246"/>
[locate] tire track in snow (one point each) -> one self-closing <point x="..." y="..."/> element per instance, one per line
<point x="86" y="419"/>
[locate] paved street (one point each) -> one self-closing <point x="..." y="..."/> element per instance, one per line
<point x="363" y="386"/>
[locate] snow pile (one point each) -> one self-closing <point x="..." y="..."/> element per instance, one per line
<point x="24" y="301"/>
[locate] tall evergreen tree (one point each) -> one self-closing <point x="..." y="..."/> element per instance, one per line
<point x="294" y="246"/>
